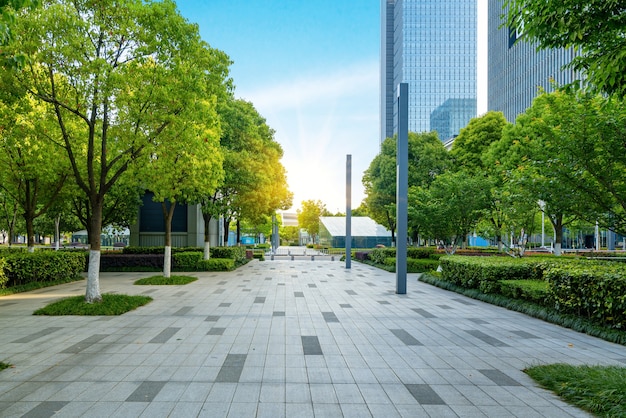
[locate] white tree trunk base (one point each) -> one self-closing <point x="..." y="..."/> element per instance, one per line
<point x="167" y="262"/>
<point x="207" y="250"/>
<point x="93" y="278"/>
<point x="557" y="249"/>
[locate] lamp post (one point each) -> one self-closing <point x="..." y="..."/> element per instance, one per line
<point x="542" y="205"/>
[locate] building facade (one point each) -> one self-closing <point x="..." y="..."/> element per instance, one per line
<point x="516" y="70"/>
<point x="431" y="45"/>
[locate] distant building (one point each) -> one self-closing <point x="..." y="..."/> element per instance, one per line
<point x="431" y="45"/>
<point x="365" y="232"/>
<point x="452" y="116"/>
<point x="187" y="226"/>
<point x="516" y="70"/>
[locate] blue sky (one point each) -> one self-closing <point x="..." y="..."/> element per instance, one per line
<point x="311" y="69"/>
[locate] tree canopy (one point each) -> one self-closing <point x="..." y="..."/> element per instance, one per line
<point x="594" y="28"/>
<point x="116" y="75"/>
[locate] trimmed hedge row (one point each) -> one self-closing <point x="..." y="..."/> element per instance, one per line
<point x="484" y="273"/>
<point x="594" y="290"/>
<point x="183" y="259"/>
<point x="379" y="255"/>
<point x="415" y="265"/>
<point x="19" y="268"/>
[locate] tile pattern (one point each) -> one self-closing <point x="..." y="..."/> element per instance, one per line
<point x="306" y="338"/>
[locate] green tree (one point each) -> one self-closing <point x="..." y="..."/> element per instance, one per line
<point x="470" y="153"/>
<point x="450" y="207"/>
<point x="9" y="209"/>
<point x="539" y="161"/>
<point x="32" y="169"/>
<point x="116" y="74"/>
<point x="255" y="184"/>
<point x="595" y="28"/>
<point x="183" y="167"/>
<point x="309" y="217"/>
<point x="427" y="159"/>
<point x="289" y="234"/>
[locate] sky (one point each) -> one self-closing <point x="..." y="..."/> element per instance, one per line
<point x="311" y="68"/>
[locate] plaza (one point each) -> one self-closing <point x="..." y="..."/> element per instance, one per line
<point x="284" y="338"/>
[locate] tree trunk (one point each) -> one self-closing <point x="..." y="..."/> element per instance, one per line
<point x="226" y="234"/>
<point x="207" y="238"/>
<point x="94" y="230"/>
<point x="558" y="232"/>
<point x="238" y="232"/>
<point x="500" y="243"/>
<point x="168" y="214"/>
<point x="57" y="234"/>
<point x="30" y="232"/>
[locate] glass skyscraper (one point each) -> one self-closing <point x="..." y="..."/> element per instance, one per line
<point x="431" y="45"/>
<point x="516" y="70"/>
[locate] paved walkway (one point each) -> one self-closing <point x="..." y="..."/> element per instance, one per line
<point x="284" y="338"/>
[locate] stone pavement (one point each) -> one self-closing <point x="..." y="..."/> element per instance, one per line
<point x="284" y="338"/>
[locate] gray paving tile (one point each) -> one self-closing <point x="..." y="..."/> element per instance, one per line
<point x="486" y="338"/>
<point x="45" y="409"/>
<point x="146" y="392"/>
<point x="183" y="311"/>
<point x="424" y="394"/>
<point x="405" y="337"/>
<point x="37" y="335"/>
<point x="500" y="378"/>
<point x="84" y="344"/>
<point x="311" y="345"/>
<point x="330" y="317"/>
<point x="164" y="335"/>
<point x="231" y="368"/>
<point x="423" y="313"/>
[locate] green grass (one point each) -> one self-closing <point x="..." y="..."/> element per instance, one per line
<point x="110" y="305"/>
<point x="162" y="280"/>
<point x="600" y="390"/>
<point x="36" y="285"/>
<point x="4" y="365"/>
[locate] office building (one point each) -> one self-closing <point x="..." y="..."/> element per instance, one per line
<point x="516" y="70"/>
<point x="431" y="45"/>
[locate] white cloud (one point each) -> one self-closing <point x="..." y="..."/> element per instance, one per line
<point x="316" y="88"/>
<point x="318" y="120"/>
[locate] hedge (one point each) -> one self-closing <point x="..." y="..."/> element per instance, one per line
<point x="43" y="266"/>
<point x="3" y="276"/>
<point x="535" y="291"/>
<point x="592" y="290"/>
<point x="484" y="273"/>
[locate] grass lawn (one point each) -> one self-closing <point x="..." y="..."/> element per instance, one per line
<point x="600" y="390"/>
<point x="110" y="305"/>
<point x="161" y="280"/>
<point x="36" y="285"/>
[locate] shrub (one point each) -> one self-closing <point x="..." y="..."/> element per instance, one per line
<point x="3" y="276"/>
<point x="217" y="264"/>
<point x="420" y="252"/>
<point x="23" y="267"/>
<point x="593" y="290"/>
<point x="421" y="265"/>
<point x="235" y="253"/>
<point x="186" y="261"/>
<point x="362" y="255"/>
<point x="484" y="272"/>
<point x="535" y="291"/>
<point x="131" y="262"/>
<point x="378" y="255"/>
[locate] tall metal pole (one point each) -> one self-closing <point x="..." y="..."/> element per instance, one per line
<point x="348" y="211"/>
<point x="402" y="186"/>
